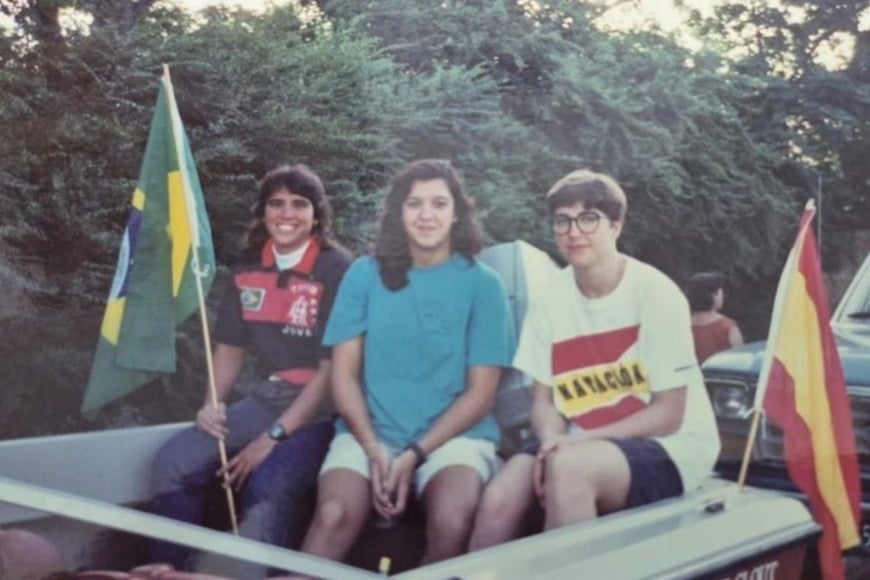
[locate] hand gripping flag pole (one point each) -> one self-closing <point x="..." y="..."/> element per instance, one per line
<point x="199" y="273"/>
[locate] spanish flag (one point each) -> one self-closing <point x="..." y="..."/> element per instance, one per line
<point x="801" y="387"/>
<point x="165" y="264"/>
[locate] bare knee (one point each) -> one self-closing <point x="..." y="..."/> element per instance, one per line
<point x="450" y="514"/>
<point x="336" y="513"/>
<point x="499" y="505"/>
<point x="570" y="469"/>
<point x="568" y="464"/>
<point x="594" y="471"/>
<point x="498" y="519"/>
<point x="506" y="502"/>
<point x="452" y="520"/>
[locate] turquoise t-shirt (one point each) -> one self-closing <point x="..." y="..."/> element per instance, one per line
<point x="420" y="340"/>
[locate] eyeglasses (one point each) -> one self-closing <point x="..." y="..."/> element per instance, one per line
<point x="587" y="222"/>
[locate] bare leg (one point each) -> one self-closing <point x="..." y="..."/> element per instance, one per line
<point x="343" y="506"/>
<point x="583" y="480"/>
<point x="451" y="497"/>
<point x="506" y="502"/>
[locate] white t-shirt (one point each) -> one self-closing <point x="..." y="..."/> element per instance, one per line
<point x="603" y="357"/>
<point x="287" y="261"/>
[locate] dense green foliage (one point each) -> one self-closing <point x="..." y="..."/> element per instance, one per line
<point x="717" y="149"/>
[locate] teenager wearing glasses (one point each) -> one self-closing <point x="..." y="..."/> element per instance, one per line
<point x="619" y="405"/>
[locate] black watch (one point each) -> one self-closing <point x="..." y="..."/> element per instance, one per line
<point x="277" y="432"/>
<point x="415" y="448"/>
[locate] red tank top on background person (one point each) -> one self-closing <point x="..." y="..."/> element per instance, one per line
<point x="712" y="337"/>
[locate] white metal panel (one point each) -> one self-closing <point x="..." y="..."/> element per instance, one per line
<point x="112" y="466"/>
<point x="141" y="523"/>
<point x="677" y="538"/>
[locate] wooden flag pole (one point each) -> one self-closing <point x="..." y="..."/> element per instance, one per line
<point x="747" y="451"/>
<point x="198" y="274"/>
<point x="209" y="362"/>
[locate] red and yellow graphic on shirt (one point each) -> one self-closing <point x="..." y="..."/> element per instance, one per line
<point x="593" y="384"/>
<point x="295" y="305"/>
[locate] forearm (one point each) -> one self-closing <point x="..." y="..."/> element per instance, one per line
<point x="228" y="364"/>
<point x="347" y="391"/>
<point x="351" y="405"/>
<point x="467" y="410"/>
<point x="309" y="400"/>
<point x="546" y="420"/>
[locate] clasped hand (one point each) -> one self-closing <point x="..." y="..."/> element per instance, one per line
<point x="391" y="480"/>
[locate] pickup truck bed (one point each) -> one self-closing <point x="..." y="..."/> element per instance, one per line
<point x="79" y="491"/>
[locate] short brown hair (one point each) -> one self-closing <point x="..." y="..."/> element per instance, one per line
<point x="593" y="190"/>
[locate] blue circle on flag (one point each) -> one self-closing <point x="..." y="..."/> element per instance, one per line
<point x="126" y="255"/>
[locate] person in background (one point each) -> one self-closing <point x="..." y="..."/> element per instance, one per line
<point x="712" y="331"/>
<point x="619" y="403"/>
<point x="275" y="307"/>
<point x="420" y="332"/>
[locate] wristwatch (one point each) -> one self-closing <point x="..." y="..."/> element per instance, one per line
<point x="277" y="432"/>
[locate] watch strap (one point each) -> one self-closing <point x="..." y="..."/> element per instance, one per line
<point x="277" y="432"/>
<point x="415" y="448"/>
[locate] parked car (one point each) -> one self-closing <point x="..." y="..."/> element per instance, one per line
<point x="731" y="378"/>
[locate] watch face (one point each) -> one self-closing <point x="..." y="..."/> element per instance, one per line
<point x="277" y="432"/>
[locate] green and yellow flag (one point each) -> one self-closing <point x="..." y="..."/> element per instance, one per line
<point x="165" y="264"/>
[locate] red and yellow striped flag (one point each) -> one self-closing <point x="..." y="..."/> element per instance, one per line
<point x="802" y="388"/>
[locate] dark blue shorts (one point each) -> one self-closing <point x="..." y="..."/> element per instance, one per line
<point x="653" y="475"/>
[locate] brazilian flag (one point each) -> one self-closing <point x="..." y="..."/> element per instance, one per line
<point x="166" y="247"/>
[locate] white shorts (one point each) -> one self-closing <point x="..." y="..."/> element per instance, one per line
<point x="478" y="454"/>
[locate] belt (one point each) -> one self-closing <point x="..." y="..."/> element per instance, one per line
<point x="294" y="376"/>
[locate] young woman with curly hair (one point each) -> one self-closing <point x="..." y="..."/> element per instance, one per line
<point x="420" y="331"/>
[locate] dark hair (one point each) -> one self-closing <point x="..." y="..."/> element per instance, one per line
<point x="701" y="289"/>
<point x="300" y="180"/>
<point x="593" y="190"/>
<point x="392" y="249"/>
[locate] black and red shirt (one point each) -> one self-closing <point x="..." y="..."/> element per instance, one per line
<point x="279" y="315"/>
